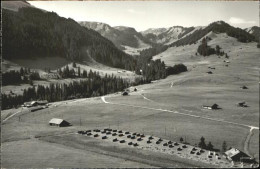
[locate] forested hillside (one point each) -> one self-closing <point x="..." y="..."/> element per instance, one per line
<point x="31" y="33"/>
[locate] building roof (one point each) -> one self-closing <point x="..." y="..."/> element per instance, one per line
<point x="232" y="152"/>
<point x="56" y="121"/>
<point x="42" y="102"/>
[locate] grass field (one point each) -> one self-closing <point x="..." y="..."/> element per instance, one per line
<point x="170" y="108"/>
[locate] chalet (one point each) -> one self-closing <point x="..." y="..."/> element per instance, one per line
<point x="58" y="122"/>
<point x="234" y="154"/>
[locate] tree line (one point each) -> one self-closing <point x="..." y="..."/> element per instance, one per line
<point x="205" y="50"/>
<point x="95" y="85"/>
<point x="14" y="77"/>
<point x="202" y="144"/>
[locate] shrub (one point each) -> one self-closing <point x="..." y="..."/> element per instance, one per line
<point x="176" y="69"/>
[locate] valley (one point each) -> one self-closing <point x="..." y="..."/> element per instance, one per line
<point x="151" y="110"/>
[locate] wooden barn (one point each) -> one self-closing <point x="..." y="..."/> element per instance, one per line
<point x="59" y="122"/>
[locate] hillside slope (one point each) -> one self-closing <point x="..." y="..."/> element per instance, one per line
<point x="255" y="31"/>
<point x="33" y="33"/>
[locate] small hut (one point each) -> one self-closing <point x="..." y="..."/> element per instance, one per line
<point x="242" y="104"/>
<point x="244" y="87"/>
<point x="59" y="122"/>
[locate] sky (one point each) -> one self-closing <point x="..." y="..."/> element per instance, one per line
<point x="142" y="15"/>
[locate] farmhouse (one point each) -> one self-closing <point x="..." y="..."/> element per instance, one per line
<point x="214" y="106"/>
<point x="35" y="103"/>
<point x="234" y="154"/>
<point x="58" y="122"/>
